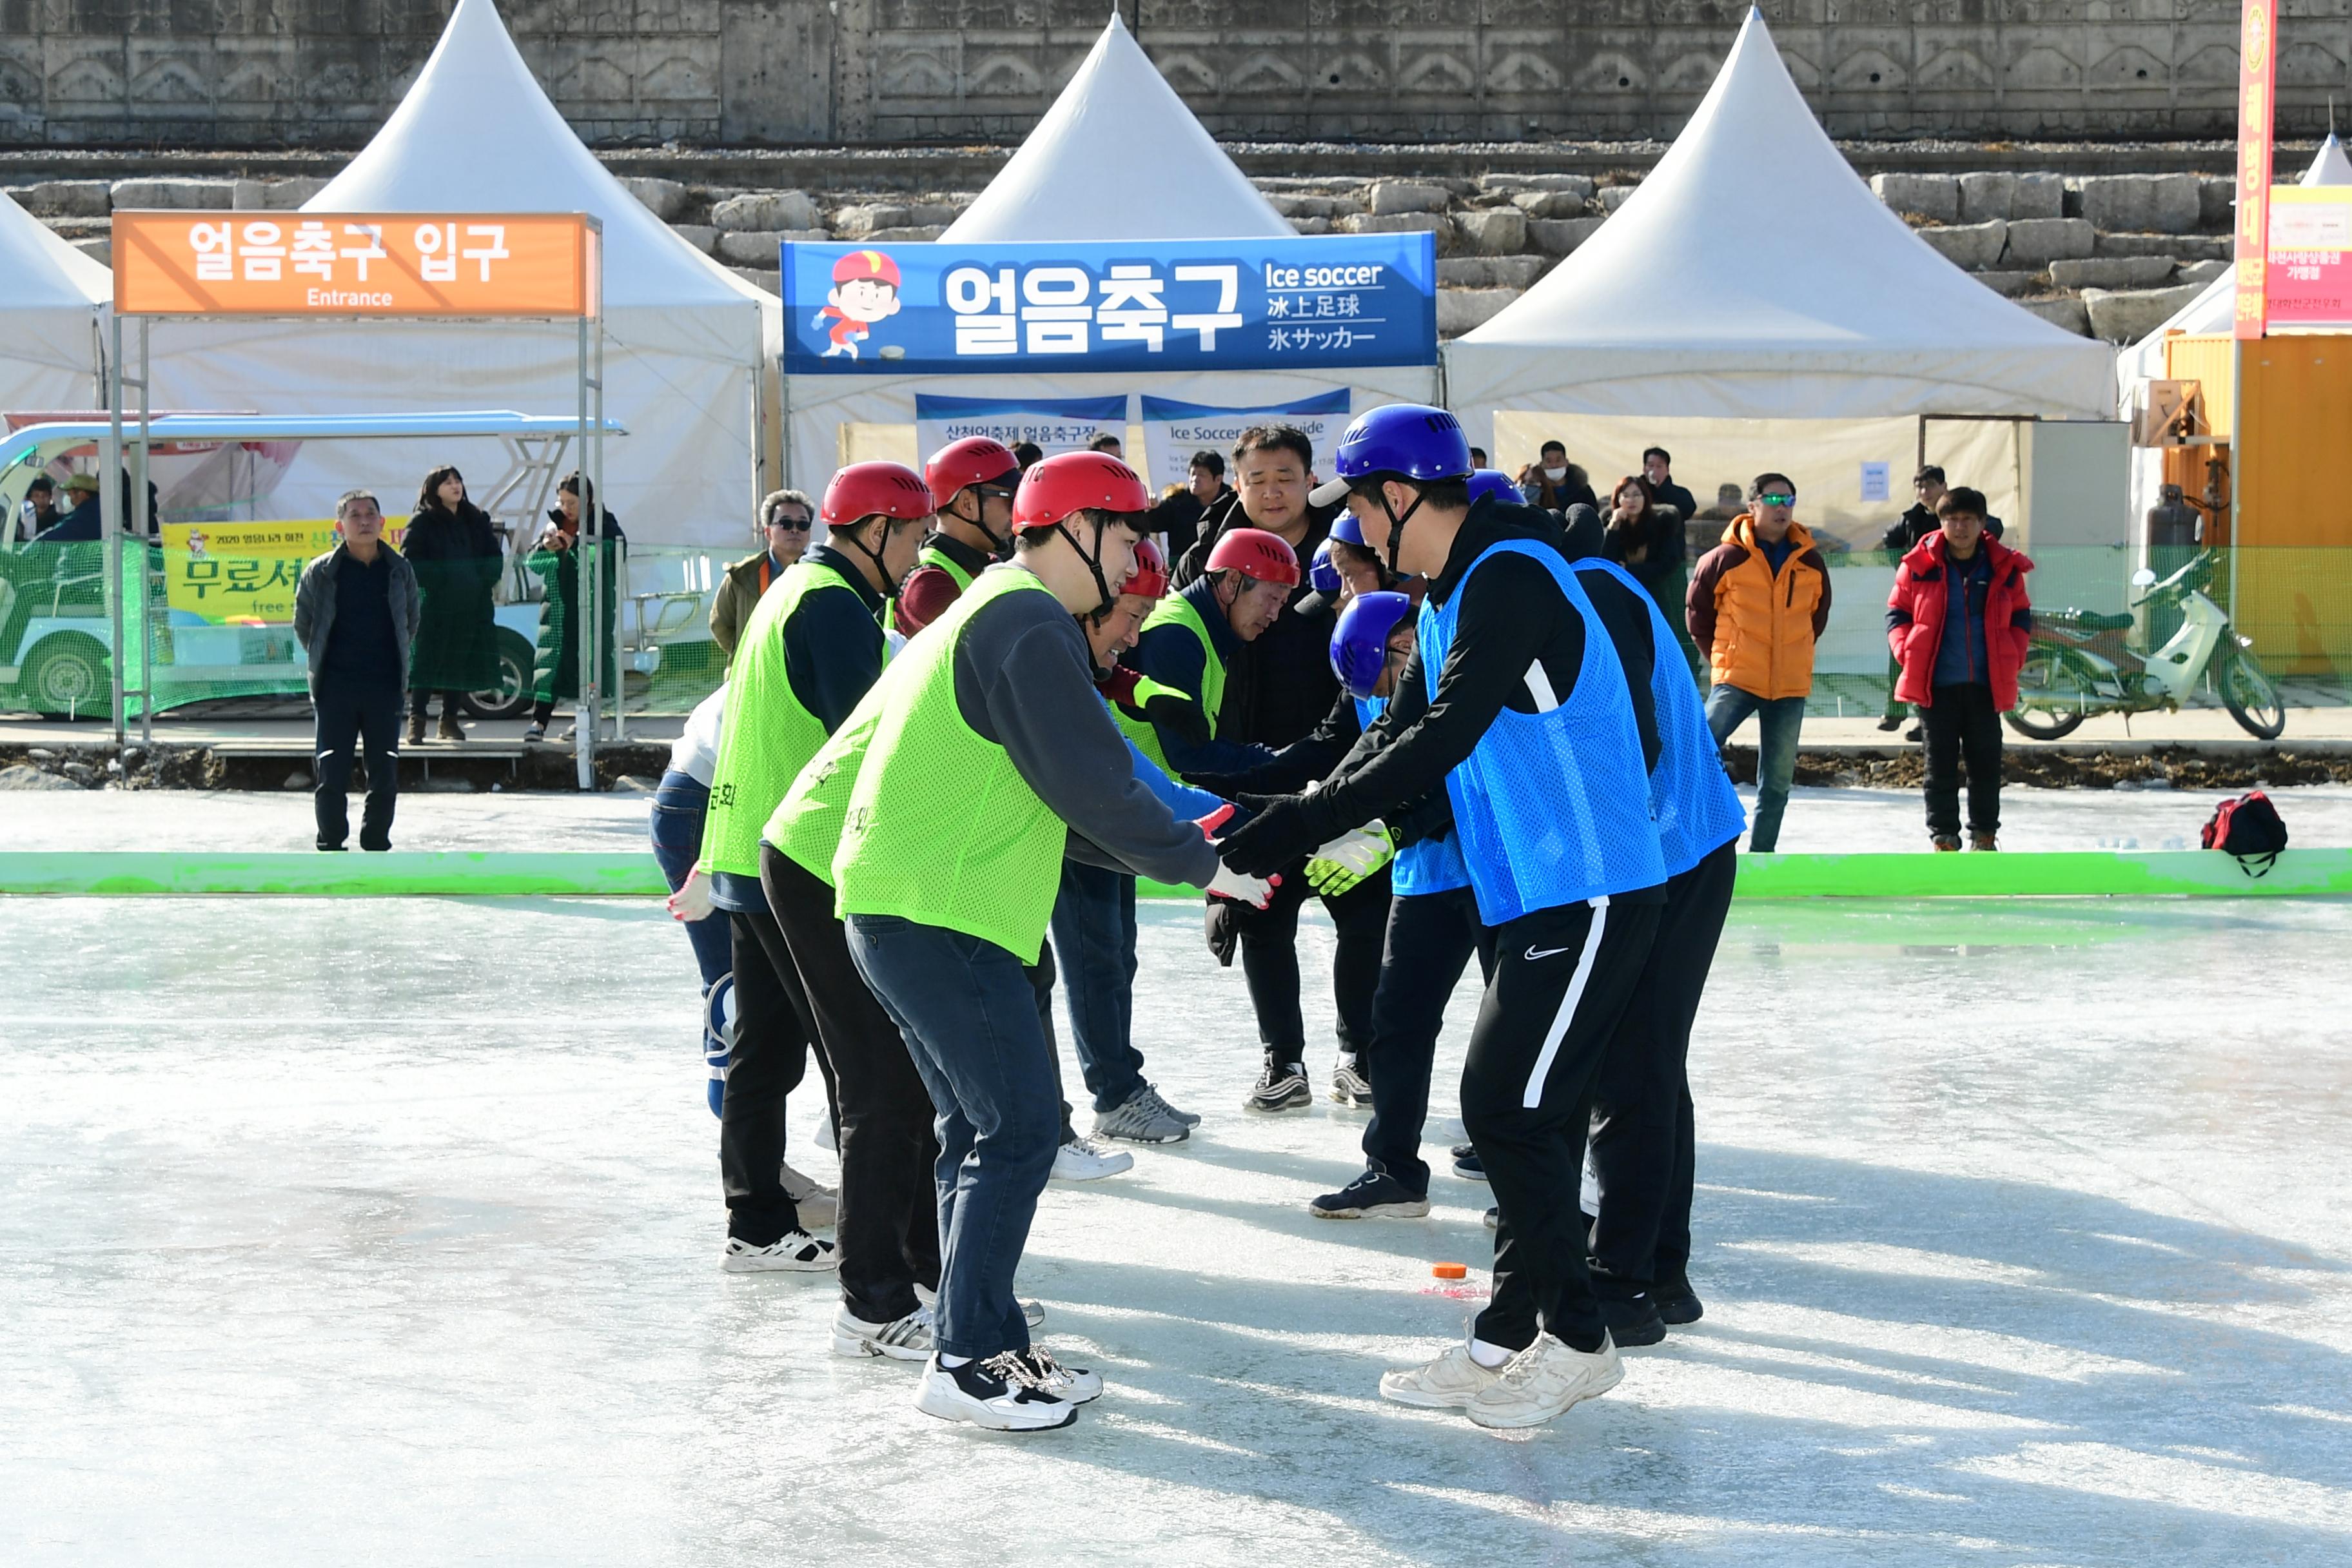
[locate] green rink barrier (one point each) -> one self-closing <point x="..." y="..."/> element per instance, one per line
<point x="579" y="874"/>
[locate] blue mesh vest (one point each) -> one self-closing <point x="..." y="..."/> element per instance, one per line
<point x="1696" y="809"/>
<point x="1551" y="808"/>
<point x="1430" y="866"/>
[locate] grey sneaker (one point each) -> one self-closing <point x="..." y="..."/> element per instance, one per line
<point x="1349" y="1084"/>
<point x="1143" y="1118"/>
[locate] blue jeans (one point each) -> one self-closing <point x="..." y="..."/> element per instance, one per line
<point x="970" y="1018"/>
<point x="1094" y="939"/>
<point x="1778" y="722"/>
<point x="678" y="805"/>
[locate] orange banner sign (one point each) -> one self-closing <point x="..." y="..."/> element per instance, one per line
<point x="341" y="265"/>
<point x="2257" y="72"/>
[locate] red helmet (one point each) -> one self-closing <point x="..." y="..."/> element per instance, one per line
<point x="974" y="460"/>
<point x="1075" y="482"/>
<point x="861" y="490"/>
<point x="1148" y="579"/>
<point x="1255" y="552"/>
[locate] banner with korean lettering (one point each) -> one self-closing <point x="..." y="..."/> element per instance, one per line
<point x="1325" y="302"/>
<point x="2308" y="283"/>
<point x="242" y="574"/>
<point x="1173" y="431"/>
<point x="339" y="265"/>
<point x="1052" y="424"/>
<point x="2257" y="74"/>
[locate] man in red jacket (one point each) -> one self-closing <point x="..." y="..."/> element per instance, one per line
<point x="1959" y="623"/>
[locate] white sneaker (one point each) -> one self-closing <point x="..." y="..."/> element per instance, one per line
<point x="902" y="1339"/>
<point x="1449" y="1383"/>
<point x="1001" y="1393"/>
<point x="1543" y="1380"/>
<point x="1085" y="1160"/>
<point x="1074" y="1383"/>
<point x="819" y="1206"/>
<point x="797" y="1253"/>
<point x="1032" y="1312"/>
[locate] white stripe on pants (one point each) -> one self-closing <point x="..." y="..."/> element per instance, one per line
<point x="1533" y="1099"/>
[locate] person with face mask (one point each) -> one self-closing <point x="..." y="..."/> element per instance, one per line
<point x="1554" y="483"/>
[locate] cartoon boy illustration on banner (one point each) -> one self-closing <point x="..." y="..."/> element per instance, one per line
<point x="865" y="290"/>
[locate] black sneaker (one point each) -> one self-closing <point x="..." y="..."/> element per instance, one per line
<point x="1633" y="1322"/>
<point x="1891" y="721"/>
<point x="1467" y="1165"/>
<point x="1494" y="1219"/>
<point x="1281" y="1087"/>
<point x="1375" y="1195"/>
<point x="1677" y="1302"/>
<point x="1002" y="1394"/>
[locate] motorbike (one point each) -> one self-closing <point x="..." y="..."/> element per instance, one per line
<point x="2077" y="663"/>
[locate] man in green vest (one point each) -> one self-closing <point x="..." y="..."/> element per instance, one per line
<point x="812" y="648"/>
<point x="972" y="480"/>
<point x="944" y="808"/>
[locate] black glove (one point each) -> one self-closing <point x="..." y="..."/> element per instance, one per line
<point x="1180" y="715"/>
<point x="1224" y="932"/>
<point x="1286" y="828"/>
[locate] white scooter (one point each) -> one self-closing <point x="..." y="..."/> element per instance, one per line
<point x="2078" y="664"/>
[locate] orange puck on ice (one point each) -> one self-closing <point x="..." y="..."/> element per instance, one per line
<point x="1449" y="1270"/>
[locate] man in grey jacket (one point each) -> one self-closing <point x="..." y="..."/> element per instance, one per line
<point x="355" y="613"/>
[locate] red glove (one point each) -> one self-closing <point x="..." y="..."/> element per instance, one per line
<point x="1119" y="685"/>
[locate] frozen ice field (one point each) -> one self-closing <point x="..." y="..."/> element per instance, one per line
<point x="349" y="1231"/>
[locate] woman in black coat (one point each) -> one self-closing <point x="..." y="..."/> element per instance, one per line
<point x="455" y="552"/>
<point x="556" y="560"/>
<point x="1641" y="536"/>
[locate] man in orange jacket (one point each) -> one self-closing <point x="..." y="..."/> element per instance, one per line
<point x="1757" y="604"/>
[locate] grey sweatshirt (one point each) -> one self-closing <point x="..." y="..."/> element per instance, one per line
<point x="1024" y="680"/>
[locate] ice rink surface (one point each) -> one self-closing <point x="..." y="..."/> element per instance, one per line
<point x="386" y="1231"/>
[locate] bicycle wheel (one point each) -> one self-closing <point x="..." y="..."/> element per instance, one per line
<point x="2251" y="697"/>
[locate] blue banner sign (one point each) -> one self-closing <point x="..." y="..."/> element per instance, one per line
<point x="1315" y="303"/>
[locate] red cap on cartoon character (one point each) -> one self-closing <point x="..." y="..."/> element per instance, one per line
<point x="859" y="266"/>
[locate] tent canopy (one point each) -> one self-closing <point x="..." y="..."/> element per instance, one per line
<point x="1754" y="275"/>
<point x="2217" y="307"/>
<point x="1169" y="180"/>
<point x="688" y="345"/>
<point x="50" y="312"/>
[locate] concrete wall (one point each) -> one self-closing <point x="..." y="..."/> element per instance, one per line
<point x="254" y="73"/>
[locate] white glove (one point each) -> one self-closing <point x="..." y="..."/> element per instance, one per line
<point x="1255" y="892"/>
<point x="692" y="901"/>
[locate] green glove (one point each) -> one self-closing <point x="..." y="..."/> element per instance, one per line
<point x="1348" y="859"/>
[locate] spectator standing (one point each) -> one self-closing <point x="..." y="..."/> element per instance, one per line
<point x="356" y="612"/>
<point x="1554" y="483"/>
<point x="1177" y="517"/>
<point x="1109" y="445"/>
<point x="1641" y="537"/>
<point x="39" y="513"/>
<point x="1674" y="579"/>
<point x="452" y="547"/>
<point x="1957" y="623"/>
<point x="1658" y="477"/>
<point x="556" y="677"/>
<point x="1902" y="535"/>
<point x="784" y="527"/>
<point x="1758" y="603"/>
<point x="1027" y="454"/>
<point x="1478" y="459"/>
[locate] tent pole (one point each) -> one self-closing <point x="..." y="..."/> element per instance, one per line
<point x="146" y="525"/>
<point x="583" y="727"/>
<point x="618" y="565"/>
<point x="109" y="514"/>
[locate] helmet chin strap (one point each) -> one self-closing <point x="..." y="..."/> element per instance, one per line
<point x="889" y="588"/>
<point x="1396" y="527"/>
<point x="996" y="544"/>
<point x="1094" y="561"/>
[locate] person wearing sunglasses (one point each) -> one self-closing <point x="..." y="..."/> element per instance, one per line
<point x="1757" y="604"/>
<point x="974" y="480"/>
<point x="784" y="518"/>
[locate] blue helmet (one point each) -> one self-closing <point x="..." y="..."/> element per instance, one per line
<point x="1410" y="440"/>
<point x="1321" y="572"/>
<point x="1347" y="530"/>
<point x="1496" y="483"/>
<point x="1359" y="643"/>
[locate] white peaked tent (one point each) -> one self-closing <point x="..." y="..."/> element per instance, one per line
<point x="2217" y="307"/>
<point x="53" y="308"/>
<point x="691" y="349"/>
<point x="1753" y="275"/>
<point x="1119" y="156"/>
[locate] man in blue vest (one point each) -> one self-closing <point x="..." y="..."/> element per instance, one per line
<point x="1514" y="701"/>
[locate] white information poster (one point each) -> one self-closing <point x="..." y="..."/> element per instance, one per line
<point x="1173" y="431"/>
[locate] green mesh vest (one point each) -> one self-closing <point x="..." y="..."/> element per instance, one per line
<point x="808" y="821"/>
<point x="1176" y="609"/>
<point x="933" y="556"/>
<point x="767" y="735"/>
<point x="941" y="827"/>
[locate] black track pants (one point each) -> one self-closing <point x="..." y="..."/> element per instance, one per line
<point x="888" y="1228"/>
<point x="1562" y="978"/>
<point x="1640" y="1158"/>
<point x="768" y="1061"/>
